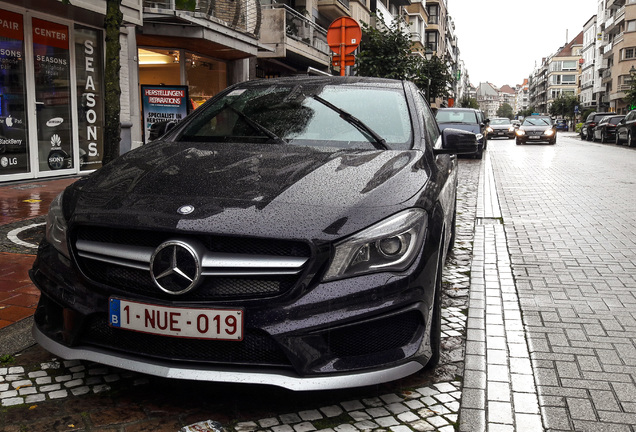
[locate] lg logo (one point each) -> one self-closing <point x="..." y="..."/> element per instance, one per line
<point x="6" y="162"/>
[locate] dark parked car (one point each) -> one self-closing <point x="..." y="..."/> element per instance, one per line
<point x="468" y="119"/>
<point x="626" y="129"/>
<point x="587" y="130"/>
<point x="501" y="128"/>
<point x="289" y="232"/>
<point x="605" y="130"/>
<point x="561" y="125"/>
<point x="537" y="129"/>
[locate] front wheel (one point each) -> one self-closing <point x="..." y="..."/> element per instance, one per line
<point x="617" y="139"/>
<point x="435" y="337"/>
<point x="603" y="138"/>
<point x="629" y="139"/>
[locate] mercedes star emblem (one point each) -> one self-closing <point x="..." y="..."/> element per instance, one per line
<point x="175" y="267"/>
<point x="186" y="209"/>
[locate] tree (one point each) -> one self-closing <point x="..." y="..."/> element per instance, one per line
<point x="505" y="110"/>
<point x="468" y="102"/>
<point x="112" y="88"/>
<point x="526" y="112"/>
<point x="563" y="106"/>
<point x="385" y="52"/>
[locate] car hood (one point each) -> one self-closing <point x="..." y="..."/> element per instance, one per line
<point x="536" y="128"/>
<point x="474" y="128"/>
<point x="282" y="190"/>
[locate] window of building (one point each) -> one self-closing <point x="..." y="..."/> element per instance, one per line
<point x="631" y="26"/>
<point x="431" y="40"/>
<point x="568" y="79"/>
<point x="433" y="14"/>
<point x="628" y="53"/>
<point x="569" y="65"/>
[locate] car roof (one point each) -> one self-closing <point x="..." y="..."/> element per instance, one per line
<point x="325" y="80"/>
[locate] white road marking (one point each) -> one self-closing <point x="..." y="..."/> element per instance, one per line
<point x="13" y="235"/>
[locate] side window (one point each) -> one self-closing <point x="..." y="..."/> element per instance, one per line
<point x="432" y="130"/>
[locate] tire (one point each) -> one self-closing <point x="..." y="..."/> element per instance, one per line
<point x="435" y="337"/>
<point x="479" y="155"/>
<point x="451" y="242"/>
<point x="617" y="139"/>
<point x="603" y="137"/>
<point x="553" y="141"/>
<point x="629" y="139"/>
<point x="518" y="142"/>
<point x="589" y="137"/>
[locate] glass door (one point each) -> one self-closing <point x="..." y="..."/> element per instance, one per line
<point x="52" y="72"/>
<point x="14" y="142"/>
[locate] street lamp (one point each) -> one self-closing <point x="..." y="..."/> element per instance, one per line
<point x="429" y="55"/>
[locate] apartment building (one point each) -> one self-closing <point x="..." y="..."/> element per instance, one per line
<point x="619" y="52"/>
<point x="522" y="99"/>
<point x="589" y="71"/>
<point x="564" y="71"/>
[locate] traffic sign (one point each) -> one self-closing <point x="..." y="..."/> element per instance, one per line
<point x="343" y="37"/>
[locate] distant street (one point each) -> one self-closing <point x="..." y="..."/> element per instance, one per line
<point x="569" y="213"/>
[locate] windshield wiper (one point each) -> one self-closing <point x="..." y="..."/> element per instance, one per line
<point x="256" y="125"/>
<point x="375" y="139"/>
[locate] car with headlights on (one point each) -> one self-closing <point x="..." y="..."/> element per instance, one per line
<point x="289" y="232"/>
<point x="536" y="129"/>
<point x="468" y="119"/>
<point x="605" y="130"/>
<point x="501" y="128"/>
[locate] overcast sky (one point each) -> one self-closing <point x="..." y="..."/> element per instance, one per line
<point x="500" y="41"/>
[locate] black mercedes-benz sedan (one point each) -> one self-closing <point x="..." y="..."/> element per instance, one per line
<point x="289" y="232"/>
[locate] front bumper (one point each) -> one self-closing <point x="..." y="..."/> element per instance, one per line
<point x="347" y="333"/>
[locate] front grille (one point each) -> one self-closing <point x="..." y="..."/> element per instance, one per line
<point x="256" y="348"/>
<point x="376" y="336"/>
<point x="137" y="280"/>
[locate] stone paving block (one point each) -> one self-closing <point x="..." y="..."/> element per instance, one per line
<point x="500" y="412"/>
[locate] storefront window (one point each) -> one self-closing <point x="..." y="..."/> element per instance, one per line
<point x="205" y="77"/>
<point x="158" y="67"/>
<point x="14" y="148"/>
<point x="90" y="96"/>
<point x="51" y="62"/>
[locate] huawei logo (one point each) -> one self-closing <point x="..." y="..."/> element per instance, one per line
<point x="175" y="267"/>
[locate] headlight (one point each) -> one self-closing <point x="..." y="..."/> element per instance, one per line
<point x="390" y="245"/>
<point x="511" y="129"/>
<point x="520" y="132"/>
<point x="56" y="226"/>
<point x="489" y="129"/>
<point x="549" y="132"/>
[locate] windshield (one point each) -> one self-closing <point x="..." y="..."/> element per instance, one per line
<point x="537" y="121"/>
<point x="615" y="120"/>
<point x="290" y="114"/>
<point x="451" y="116"/>
<point x="498" y="121"/>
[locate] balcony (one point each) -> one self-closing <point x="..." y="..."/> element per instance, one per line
<point x="292" y="35"/>
<point x="333" y="9"/>
<point x="614" y="4"/>
<point x="606" y="77"/>
<point x="241" y="15"/>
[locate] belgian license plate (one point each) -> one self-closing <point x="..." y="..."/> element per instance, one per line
<point x="220" y="324"/>
<point x="535" y="137"/>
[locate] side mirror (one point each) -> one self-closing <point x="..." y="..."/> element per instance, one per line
<point x="159" y="129"/>
<point x="455" y="141"/>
